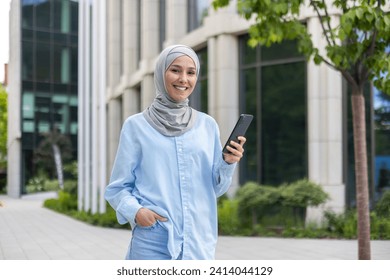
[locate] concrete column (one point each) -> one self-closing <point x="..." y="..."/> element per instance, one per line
<point x="114" y="128"/>
<point x="130" y="96"/>
<point x="149" y="29"/>
<point x="130" y="37"/>
<point x="148" y="91"/>
<point x="130" y="103"/>
<point x="113" y="51"/>
<point x="325" y="129"/>
<point x="149" y="48"/>
<point x="176" y="24"/>
<point x="14" y="148"/>
<point x="224" y="87"/>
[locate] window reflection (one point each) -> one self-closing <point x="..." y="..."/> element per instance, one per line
<point x="197" y="10"/>
<point x="273" y="89"/>
<point x="49" y="74"/>
<point x="382" y="141"/>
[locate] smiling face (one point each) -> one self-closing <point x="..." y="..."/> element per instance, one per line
<point x="180" y="78"/>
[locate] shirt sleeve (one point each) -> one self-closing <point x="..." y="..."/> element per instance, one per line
<point x="222" y="171"/>
<point x="118" y="192"/>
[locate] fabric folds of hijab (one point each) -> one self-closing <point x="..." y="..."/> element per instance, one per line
<point x="167" y="116"/>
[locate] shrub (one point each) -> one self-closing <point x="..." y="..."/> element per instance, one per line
<point x="303" y="193"/>
<point x="382" y="208"/>
<point x="228" y="221"/>
<point x="254" y="200"/>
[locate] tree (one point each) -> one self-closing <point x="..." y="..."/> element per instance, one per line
<point x="3" y="126"/>
<point x="54" y="149"/>
<point x="3" y="135"/>
<point x="357" y="45"/>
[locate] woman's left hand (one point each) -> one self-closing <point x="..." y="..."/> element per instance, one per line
<point x="236" y="151"/>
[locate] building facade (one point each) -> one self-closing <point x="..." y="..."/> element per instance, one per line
<point x="43" y="74"/>
<point x="302" y="126"/>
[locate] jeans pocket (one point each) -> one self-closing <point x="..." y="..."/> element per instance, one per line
<point x="148" y="227"/>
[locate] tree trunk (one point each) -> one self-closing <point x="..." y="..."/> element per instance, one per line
<point x="361" y="175"/>
<point x="58" y="163"/>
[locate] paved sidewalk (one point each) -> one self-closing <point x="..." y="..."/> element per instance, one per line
<point x="30" y="232"/>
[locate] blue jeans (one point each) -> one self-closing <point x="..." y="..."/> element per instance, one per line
<point x="149" y="243"/>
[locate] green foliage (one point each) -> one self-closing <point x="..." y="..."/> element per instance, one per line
<point x="303" y="193"/>
<point x="380" y="226"/>
<point x="44" y="155"/>
<point x="362" y="30"/>
<point x="345" y="225"/>
<point x="65" y="203"/>
<point x="253" y="195"/>
<point x="382" y="208"/>
<point x="277" y="206"/>
<point x="228" y="220"/>
<point x="3" y="128"/>
<point x="41" y="183"/>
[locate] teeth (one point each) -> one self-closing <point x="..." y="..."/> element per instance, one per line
<point x="181" y="88"/>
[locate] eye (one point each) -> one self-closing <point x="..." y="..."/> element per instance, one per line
<point x="174" y="70"/>
<point x="191" y="73"/>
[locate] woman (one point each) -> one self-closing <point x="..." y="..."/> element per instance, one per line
<point x="169" y="168"/>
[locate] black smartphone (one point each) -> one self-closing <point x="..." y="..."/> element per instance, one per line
<point x="239" y="130"/>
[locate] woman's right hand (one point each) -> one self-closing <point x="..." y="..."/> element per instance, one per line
<point x="146" y="217"/>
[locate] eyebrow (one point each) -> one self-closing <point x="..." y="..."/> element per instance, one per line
<point x="179" y="66"/>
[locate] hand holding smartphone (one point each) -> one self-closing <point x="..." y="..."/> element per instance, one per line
<point x="239" y="130"/>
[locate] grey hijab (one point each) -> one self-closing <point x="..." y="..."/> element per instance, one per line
<point x="167" y="116"/>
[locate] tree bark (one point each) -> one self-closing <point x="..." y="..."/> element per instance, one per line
<point x="361" y="175"/>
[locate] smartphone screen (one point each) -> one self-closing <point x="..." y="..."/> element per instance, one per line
<point x="239" y="129"/>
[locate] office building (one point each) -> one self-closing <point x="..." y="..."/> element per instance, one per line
<point x="43" y="74"/>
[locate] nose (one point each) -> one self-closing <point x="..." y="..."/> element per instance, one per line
<point x="183" y="78"/>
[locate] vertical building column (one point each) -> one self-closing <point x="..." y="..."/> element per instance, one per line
<point x="130" y="102"/>
<point x="224" y="87"/>
<point x="114" y="128"/>
<point x="99" y="170"/>
<point x="114" y="118"/>
<point x="84" y="170"/>
<point x="14" y="147"/>
<point x="113" y="50"/>
<point x="92" y="170"/>
<point x="325" y="129"/>
<point x="130" y="97"/>
<point x="176" y="24"/>
<point x="149" y="48"/>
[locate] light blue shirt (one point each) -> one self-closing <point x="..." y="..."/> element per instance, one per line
<point x="178" y="177"/>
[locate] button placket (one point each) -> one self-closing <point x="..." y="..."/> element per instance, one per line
<point x="184" y="187"/>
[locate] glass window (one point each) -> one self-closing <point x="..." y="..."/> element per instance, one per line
<point x="28" y="105"/>
<point x="199" y="98"/>
<point x="27" y="14"/>
<point x="43" y="62"/>
<point x="382" y="141"/>
<point x="43" y="36"/>
<point x="27" y="63"/>
<point x="65" y="16"/>
<point x="74" y="65"/>
<point x="162" y="15"/>
<point x="28" y="126"/>
<point x="42" y="14"/>
<point x="74" y="24"/>
<point x="285" y="50"/>
<point x="250" y="163"/>
<point x="283" y="123"/>
<point x="197" y="10"/>
<point x="274" y="91"/>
